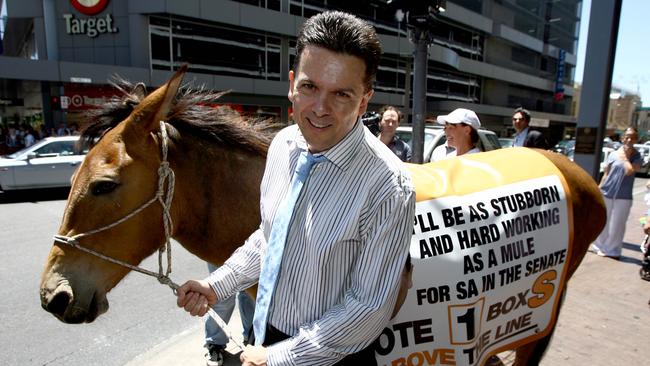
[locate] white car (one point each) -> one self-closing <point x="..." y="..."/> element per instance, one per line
<point x="434" y="136"/>
<point x="49" y="163"/>
<point x="644" y="150"/>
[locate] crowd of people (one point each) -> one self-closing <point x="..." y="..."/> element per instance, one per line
<point x="14" y="137"/>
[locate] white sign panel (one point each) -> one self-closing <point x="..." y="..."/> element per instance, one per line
<point x="488" y="269"/>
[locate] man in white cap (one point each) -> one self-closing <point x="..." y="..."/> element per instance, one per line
<point x="461" y="130"/>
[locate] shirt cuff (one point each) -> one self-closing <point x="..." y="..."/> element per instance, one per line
<point x="280" y="353"/>
<point x="223" y="281"/>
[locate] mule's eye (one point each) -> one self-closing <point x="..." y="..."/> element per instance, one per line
<point x="103" y="187"/>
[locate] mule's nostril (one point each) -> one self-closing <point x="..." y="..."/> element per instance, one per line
<point x="59" y="303"/>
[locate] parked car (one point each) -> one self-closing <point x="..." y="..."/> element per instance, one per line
<point x="506" y="141"/>
<point x="564" y="146"/>
<point x="606" y="151"/>
<point x="434" y="136"/>
<point x="644" y="150"/>
<point x="49" y="163"/>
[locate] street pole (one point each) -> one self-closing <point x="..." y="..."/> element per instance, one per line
<point x="596" y="84"/>
<point x="419" y="37"/>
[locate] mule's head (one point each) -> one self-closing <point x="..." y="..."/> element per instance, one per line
<point x="119" y="174"/>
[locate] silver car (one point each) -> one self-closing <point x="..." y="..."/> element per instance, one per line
<point x="49" y="163"/>
<point x="434" y="136"/>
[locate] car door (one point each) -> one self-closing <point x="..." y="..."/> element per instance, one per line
<point x="51" y="165"/>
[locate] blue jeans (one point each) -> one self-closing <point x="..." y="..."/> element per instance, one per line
<point x="214" y="334"/>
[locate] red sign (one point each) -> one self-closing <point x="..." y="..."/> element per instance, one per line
<point x="89" y="7"/>
<point x="81" y="97"/>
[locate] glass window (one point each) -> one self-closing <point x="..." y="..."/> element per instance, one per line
<point x="216" y="50"/>
<point x="57" y="148"/>
<point x="160" y="51"/>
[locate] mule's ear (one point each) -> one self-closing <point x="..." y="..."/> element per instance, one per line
<point x="156" y="106"/>
<point x="140" y="91"/>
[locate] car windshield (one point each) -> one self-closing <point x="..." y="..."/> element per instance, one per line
<point x="491" y="142"/>
<point x="26" y="150"/>
<point x="505" y="141"/>
<point x="49" y="148"/>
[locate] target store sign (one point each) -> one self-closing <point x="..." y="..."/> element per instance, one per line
<point x="91" y="26"/>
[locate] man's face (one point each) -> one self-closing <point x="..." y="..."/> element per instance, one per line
<point x="456" y="133"/>
<point x="328" y="96"/>
<point x="389" y="121"/>
<point x="518" y="122"/>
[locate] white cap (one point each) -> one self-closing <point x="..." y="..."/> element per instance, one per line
<point x="461" y="115"/>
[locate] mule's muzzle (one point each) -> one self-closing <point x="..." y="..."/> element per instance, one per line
<point x="61" y="302"/>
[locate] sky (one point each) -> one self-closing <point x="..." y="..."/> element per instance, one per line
<point x="632" y="60"/>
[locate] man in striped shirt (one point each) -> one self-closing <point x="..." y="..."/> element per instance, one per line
<point x="350" y="230"/>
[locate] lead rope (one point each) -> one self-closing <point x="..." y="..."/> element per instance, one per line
<point x="164" y="197"/>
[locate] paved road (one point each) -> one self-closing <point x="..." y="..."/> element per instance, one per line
<point x="143" y="313"/>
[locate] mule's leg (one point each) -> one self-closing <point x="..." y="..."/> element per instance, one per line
<point x="532" y="353"/>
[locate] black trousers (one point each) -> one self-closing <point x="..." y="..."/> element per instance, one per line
<point x="365" y="357"/>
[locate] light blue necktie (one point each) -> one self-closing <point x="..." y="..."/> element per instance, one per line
<point x="275" y="246"/>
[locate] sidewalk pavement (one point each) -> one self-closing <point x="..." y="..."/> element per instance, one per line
<point x="605" y="318"/>
<point x="186" y="348"/>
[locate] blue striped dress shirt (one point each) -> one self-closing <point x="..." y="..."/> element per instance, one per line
<point x="345" y="249"/>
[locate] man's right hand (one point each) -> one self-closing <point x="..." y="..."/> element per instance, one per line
<point x="196" y="296"/>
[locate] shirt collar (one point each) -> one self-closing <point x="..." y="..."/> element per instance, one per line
<point x="521" y="137"/>
<point x="523" y="132"/>
<point x="340" y="154"/>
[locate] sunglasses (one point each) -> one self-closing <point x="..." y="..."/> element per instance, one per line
<point x="517" y="119"/>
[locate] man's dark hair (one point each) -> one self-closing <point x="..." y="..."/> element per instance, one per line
<point x="342" y="33"/>
<point x="524" y="113"/>
<point x="385" y="108"/>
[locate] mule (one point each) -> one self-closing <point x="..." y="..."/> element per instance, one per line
<point x="219" y="160"/>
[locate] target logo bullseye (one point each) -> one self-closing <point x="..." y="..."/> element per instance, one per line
<point x="89" y="7"/>
<point x="77" y="100"/>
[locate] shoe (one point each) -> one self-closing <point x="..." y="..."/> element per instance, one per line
<point x="601" y="254"/>
<point x="214" y="356"/>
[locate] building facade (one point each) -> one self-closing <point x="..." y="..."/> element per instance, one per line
<point x="490" y="56"/>
<point x="642" y="121"/>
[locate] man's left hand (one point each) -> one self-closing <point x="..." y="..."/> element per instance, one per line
<point x="253" y="356"/>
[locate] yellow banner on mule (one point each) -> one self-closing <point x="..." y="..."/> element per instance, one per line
<point x="491" y="237"/>
<point x="476" y="172"/>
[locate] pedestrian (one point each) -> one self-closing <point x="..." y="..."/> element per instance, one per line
<point x="616" y="185"/>
<point x="461" y="131"/>
<point x="215" y="339"/>
<point x="525" y="136"/>
<point x="347" y="221"/>
<point x="390" y="118"/>
<point x="62" y="130"/>
<point x="29" y="138"/>
<point x="13" y="140"/>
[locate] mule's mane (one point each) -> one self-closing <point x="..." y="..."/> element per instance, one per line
<point x="196" y="112"/>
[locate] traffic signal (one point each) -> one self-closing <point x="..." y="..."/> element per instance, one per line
<point x="418" y="11"/>
<point x="55" y="102"/>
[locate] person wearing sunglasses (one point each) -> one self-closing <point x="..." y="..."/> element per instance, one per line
<point x="525" y="136"/>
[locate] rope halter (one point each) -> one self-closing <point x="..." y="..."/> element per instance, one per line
<point x="164" y="195"/>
